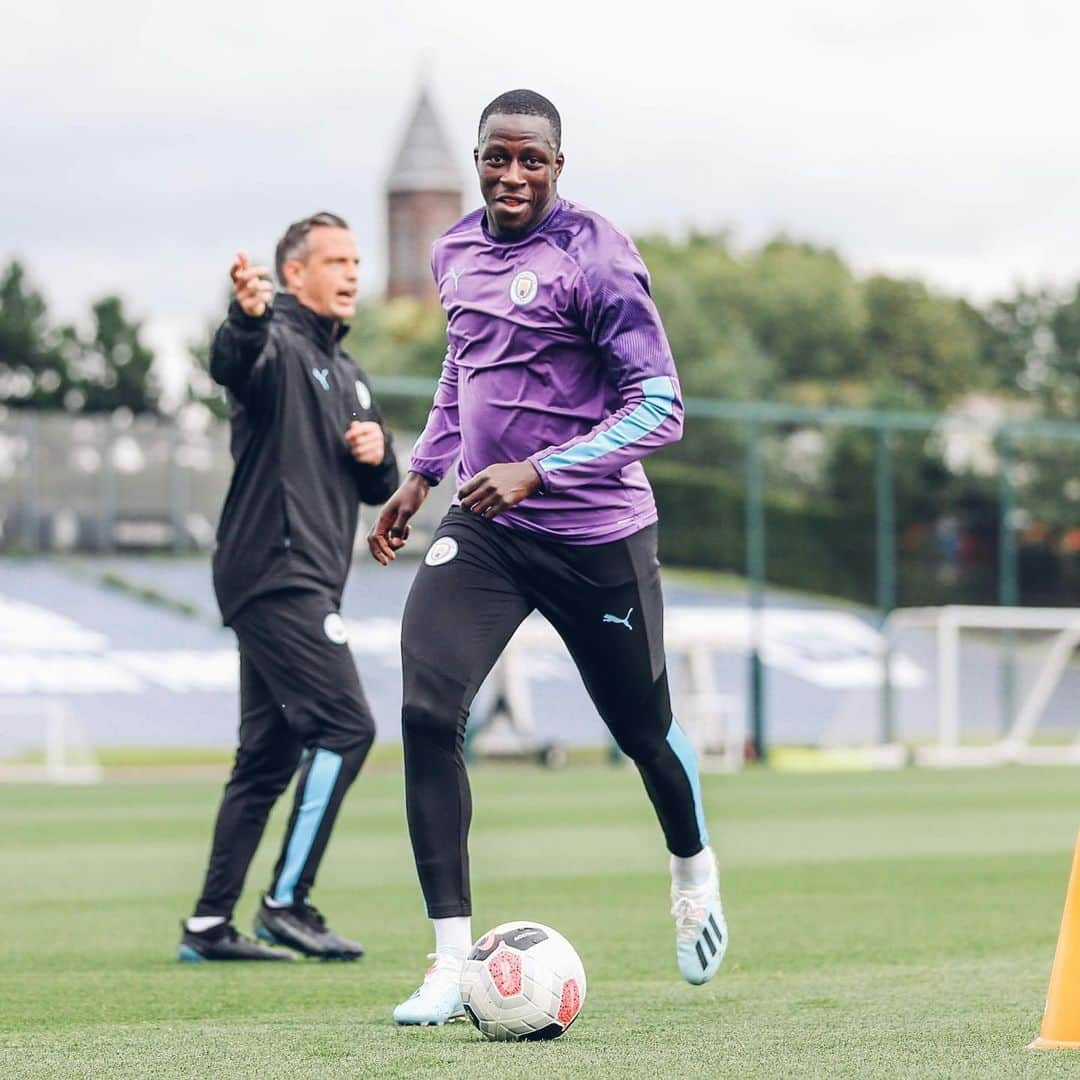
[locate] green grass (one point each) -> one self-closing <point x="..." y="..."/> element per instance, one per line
<point x="150" y="595"/>
<point x="883" y="925"/>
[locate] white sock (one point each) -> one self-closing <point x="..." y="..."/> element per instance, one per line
<point x="453" y="935"/>
<point x="694" y="870"/>
<point x="199" y="924"/>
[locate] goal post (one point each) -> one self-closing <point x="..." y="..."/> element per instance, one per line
<point x="970" y="646"/>
<point x="42" y="740"/>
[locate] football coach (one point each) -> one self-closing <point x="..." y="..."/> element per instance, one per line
<point x="308" y="445"/>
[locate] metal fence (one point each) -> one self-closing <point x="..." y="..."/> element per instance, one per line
<point x="988" y="510"/>
<point x="106" y="482"/>
<point x="884" y="508"/>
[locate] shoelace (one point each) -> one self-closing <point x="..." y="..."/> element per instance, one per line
<point x="444" y="969"/>
<point x="688" y="917"/>
<point x="689" y="905"/>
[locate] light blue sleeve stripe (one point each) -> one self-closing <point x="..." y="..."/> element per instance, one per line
<point x="684" y="751"/>
<point x="647" y="417"/>
<point x="322" y="776"/>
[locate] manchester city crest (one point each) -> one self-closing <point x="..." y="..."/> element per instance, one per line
<point x="441" y="551"/>
<point x="524" y="287"/>
<point x="334" y="628"/>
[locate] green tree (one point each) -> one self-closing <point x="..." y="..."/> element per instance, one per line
<point x="700" y="290"/>
<point x="1017" y="340"/>
<point x="922" y="349"/>
<point x="806" y="310"/>
<point x="201" y="388"/>
<point x="1063" y="391"/>
<point x="113" y="366"/>
<point x="33" y="368"/>
<point x="399" y="337"/>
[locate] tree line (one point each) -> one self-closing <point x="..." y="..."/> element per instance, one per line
<point x="794" y="322"/>
<point x="785" y="321"/>
<point x="790" y="321"/>
<point x="60" y="367"/>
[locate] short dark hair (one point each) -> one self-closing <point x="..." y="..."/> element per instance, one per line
<point x="293" y="245"/>
<point x="524" y="103"/>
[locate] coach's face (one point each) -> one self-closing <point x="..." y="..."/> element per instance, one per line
<point x="518" y="163"/>
<point x="326" y="279"/>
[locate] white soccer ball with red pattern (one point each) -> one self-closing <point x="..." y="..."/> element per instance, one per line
<point x="523" y="980"/>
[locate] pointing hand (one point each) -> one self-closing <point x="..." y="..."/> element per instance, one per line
<point x="251" y="285"/>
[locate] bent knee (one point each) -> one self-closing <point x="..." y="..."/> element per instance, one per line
<point x="425" y="722"/>
<point x="433" y="703"/>
<point x="641" y="748"/>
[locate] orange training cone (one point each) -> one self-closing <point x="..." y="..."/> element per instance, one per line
<point x="1061" y="1020"/>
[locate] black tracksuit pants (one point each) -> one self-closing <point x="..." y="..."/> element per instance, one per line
<point x="301" y="705"/>
<point x="478" y="581"/>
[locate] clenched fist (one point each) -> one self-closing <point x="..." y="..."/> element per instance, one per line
<point x="366" y="442"/>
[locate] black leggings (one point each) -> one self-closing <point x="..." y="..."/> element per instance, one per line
<point x="605" y="602"/>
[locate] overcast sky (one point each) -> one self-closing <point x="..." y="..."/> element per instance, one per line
<point x="143" y="143"/>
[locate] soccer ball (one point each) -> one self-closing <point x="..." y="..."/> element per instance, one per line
<point x="523" y="980"/>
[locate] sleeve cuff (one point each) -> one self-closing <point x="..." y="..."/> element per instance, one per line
<point x="534" y="461"/>
<point x="427" y="474"/>
<point x="243" y="321"/>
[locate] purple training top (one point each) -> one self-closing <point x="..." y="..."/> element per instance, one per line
<point x="556" y="354"/>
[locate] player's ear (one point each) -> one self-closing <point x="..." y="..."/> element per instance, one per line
<point x="559" y="162"/>
<point x="293" y="271"/>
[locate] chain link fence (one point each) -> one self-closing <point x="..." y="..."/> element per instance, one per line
<point x="101" y="483"/>
<point x="886" y="509"/>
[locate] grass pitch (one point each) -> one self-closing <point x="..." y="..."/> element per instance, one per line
<point x="883" y="925"/>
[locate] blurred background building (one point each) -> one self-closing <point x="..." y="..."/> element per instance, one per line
<point x="423" y="199"/>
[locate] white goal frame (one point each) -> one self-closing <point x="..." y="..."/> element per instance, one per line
<point x="69" y="757"/>
<point x="1015" y="746"/>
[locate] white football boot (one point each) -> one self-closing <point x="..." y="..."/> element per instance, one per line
<point x="438" y="1000"/>
<point x="701" y="934"/>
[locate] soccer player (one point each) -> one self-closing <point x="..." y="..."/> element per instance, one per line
<point x="557" y="380"/>
<point x="308" y="445"/>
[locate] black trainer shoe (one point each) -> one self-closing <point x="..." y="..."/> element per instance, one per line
<point x="222" y="942"/>
<point x="301" y="927"/>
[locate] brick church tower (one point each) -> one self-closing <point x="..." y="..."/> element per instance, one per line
<point x="423" y="194"/>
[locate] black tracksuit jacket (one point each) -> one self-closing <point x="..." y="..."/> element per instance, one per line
<point x="290" y="516"/>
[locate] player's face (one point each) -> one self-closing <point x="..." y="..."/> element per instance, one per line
<point x="518" y="165"/>
<point x="326" y="281"/>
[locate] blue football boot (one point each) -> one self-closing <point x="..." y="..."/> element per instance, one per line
<point x="701" y="934"/>
<point x="438" y="1000"/>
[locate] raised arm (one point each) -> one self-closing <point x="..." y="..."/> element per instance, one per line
<point x="241" y="339"/>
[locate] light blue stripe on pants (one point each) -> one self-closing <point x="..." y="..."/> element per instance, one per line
<point x="322" y="776"/>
